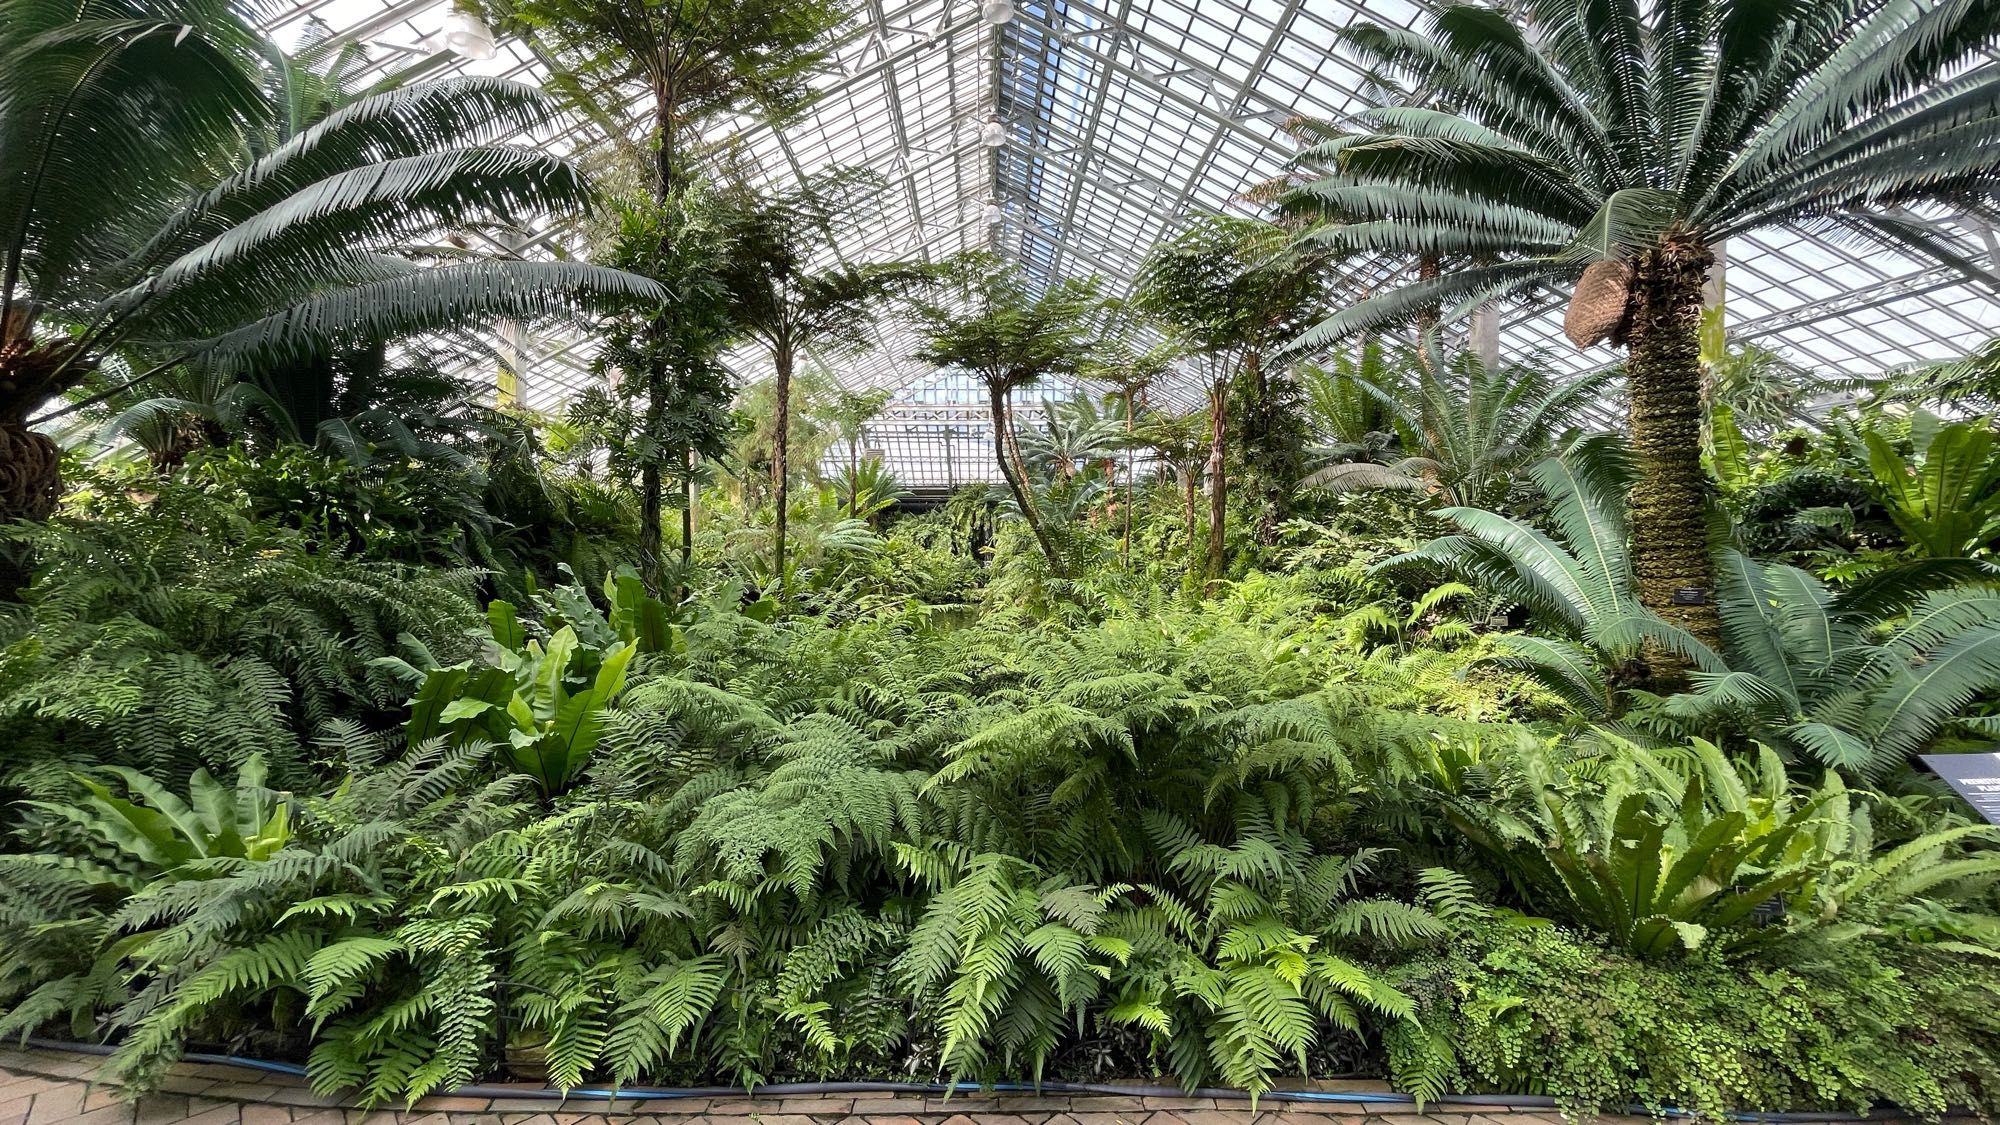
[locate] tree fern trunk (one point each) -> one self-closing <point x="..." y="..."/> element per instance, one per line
<point x="652" y="532"/>
<point x="1670" y="500"/>
<point x="1187" y="511"/>
<point x="1002" y="433"/>
<point x="1218" y="480"/>
<point x="780" y="455"/>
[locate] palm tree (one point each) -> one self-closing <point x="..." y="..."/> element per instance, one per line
<point x="133" y="221"/>
<point x="1466" y="429"/>
<point x="1856" y="682"/>
<point x="1620" y="144"/>
<point x="989" y="323"/>
<point x="1073" y="434"/>
<point x="780" y="300"/>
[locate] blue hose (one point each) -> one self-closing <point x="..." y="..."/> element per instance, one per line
<point x="781" y="1089"/>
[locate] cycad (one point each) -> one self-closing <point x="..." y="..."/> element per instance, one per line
<point x="1853" y="686"/>
<point x="1578" y="582"/>
<point x="1634" y="139"/>
<point x="136" y="222"/>
<point x="1465" y="429"/>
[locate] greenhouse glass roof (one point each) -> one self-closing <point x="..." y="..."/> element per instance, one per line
<point x="1120" y="119"/>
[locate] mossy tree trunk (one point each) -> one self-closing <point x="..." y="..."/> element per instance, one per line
<point x="781" y="357"/>
<point x="1670" y="498"/>
<point x="1218" y="479"/>
<point x="1005" y="451"/>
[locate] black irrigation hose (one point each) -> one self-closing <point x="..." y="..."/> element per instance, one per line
<point x="781" y="1089"/>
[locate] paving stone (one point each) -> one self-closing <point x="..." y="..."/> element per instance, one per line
<point x="1338" y="1109"/>
<point x="959" y="1119"/>
<point x="1179" y="1103"/>
<point x="881" y="1104"/>
<point x="678" y="1107"/>
<point x="267" y="1115"/>
<point x="961" y="1104"/>
<point x="871" y="1118"/>
<point x="416" y="1118"/>
<point x="841" y="1106"/>
<point x="771" y="1116"/>
<point x="735" y="1107"/>
<point x="16" y="1111"/>
<point x="1105" y="1117"/>
<point x="319" y="1117"/>
<point x="1108" y="1103"/>
<point x="74" y="1066"/>
<point x="582" y="1119"/>
<point x="213" y="1113"/>
<point x="504" y="1106"/>
<point x="120" y="1114"/>
<point x="1236" y="1113"/>
<point x="446" y="1104"/>
<point x="306" y="1099"/>
<point x="526" y="1119"/>
<point x="26" y="1086"/>
<point x="57" y="1105"/>
<point x="1031" y="1103"/>
<point x="187" y="1084"/>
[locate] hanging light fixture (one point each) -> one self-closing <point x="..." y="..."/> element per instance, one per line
<point x="993" y="134"/>
<point x="997" y="12"/>
<point x="995" y="215"/>
<point x="467" y="35"/>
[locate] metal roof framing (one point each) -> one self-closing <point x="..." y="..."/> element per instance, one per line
<point x="1125" y="117"/>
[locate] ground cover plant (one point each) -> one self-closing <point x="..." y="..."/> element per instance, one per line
<point x="1288" y="705"/>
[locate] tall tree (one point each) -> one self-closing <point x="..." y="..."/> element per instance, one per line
<point x="1129" y="364"/>
<point x="1615" y="145"/>
<point x="987" y="321"/>
<point x="152" y="207"/>
<point x="688" y="63"/>
<point x="1232" y="297"/>
<point x="788" y="304"/>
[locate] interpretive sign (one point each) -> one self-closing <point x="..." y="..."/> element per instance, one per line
<point x="1975" y="776"/>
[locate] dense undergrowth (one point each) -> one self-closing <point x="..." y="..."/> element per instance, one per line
<point x="984" y="822"/>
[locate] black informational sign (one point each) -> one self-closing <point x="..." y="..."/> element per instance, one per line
<point x="1975" y="776"/>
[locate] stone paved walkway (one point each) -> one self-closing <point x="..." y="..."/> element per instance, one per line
<point x="41" y="1087"/>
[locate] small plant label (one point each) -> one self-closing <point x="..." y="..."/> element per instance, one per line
<point x="1975" y="776"/>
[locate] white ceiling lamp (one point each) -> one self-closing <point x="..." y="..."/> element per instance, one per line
<point x="994" y="214"/>
<point x="467" y="35"/>
<point x="993" y="134"/>
<point x="997" y="12"/>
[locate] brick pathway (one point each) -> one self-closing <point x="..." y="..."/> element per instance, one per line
<point x="39" y="1087"/>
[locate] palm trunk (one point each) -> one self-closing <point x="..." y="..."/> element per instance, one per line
<point x="1218" y="480"/>
<point x="780" y="454"/>
<point x="1427" y="317"/>
<point x="30" y="463"/>
<point x="1670" y="499"/>
<point x="1004" y="449"/>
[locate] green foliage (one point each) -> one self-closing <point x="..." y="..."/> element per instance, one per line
<point x="1944" y="494"/>
<point x="1545" y="1011"/>
<point x="167" y="632"/>
<point x="168" y="836"/>
<point x="542" y="701"/>
<point x="1463" y="431"/>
